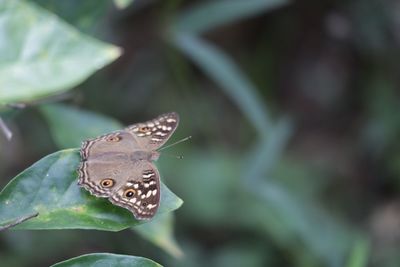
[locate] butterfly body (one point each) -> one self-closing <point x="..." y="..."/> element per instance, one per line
<point x="144" y="155"/>
<point x="119" y="166"/>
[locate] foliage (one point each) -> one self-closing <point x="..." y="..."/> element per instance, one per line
<point x="293" y="110"/>
<point x="49" y="188"/>
<point x="35" y="63"/>
<point x="104" y="259"/>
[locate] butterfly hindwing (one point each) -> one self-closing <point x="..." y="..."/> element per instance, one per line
<point x="101" y="179"/>
<point x="141" y="193"/>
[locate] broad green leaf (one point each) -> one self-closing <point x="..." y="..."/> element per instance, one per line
<point x="160" y="232"/>
<point x="107" y="260"/>
<point x="220" y="67"/>
<point x="84" y="15"/>
<point x="211" y="14"/>
<point x="50" y="188"/>
<point x="41" y="55"/>
<point x="121" y="4"/>
<point x="69" y="126"/>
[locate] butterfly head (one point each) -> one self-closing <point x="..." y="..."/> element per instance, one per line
<point x="154" y="155"/>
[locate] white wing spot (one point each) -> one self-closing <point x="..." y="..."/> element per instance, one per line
<point x="136" y="186"/>
<point x="148" y="194"/>
<point x="160" y="134"/>
<point x="150" y="206"/>
<point x="133" y="200"/>
<point x="148" y="175"/>
<point x="154" y="192"/>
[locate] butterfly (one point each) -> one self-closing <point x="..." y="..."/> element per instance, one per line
<point x="119" y="165"/>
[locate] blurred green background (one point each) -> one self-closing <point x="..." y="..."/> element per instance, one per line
<point x="293" y="107"/>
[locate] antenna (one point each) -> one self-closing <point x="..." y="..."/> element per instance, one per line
<point x="177" y="142"/>
<point x="173" y="156"/>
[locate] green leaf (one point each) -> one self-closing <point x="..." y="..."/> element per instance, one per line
<point x="50" y="188"/>
<point x="107" y="260"/>
<point x="69" y="126"/>
<point x="86" y="16"/>
<point x="212" y="14"/>
<point x="121" y="4"/>
<point x="42" y="55"/>
<point x="160" y="232"/>
<point x="360" y="253"/>
<point x="220" y="67"/>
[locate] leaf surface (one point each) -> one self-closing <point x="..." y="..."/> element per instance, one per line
<point x="50" y="188"/>
<point x="42" y="55"/>
<point x="107" y="260"/>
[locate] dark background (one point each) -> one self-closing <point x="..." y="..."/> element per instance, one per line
<point x="310" y="180"/>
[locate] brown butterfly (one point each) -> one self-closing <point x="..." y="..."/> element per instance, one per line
<point x="119" y="166"/>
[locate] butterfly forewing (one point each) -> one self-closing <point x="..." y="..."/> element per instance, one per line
<point x="118" y="142"/>
<point x="152" y="134"/>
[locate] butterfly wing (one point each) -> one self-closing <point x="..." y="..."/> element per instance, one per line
<point x="115" y="142"/>
<point x="152" y="134"/>
<point x="108" y="170"/>
<point x="141" y="193"/>
<point x="103" y="161"/>
<point x="101" y="179"/>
